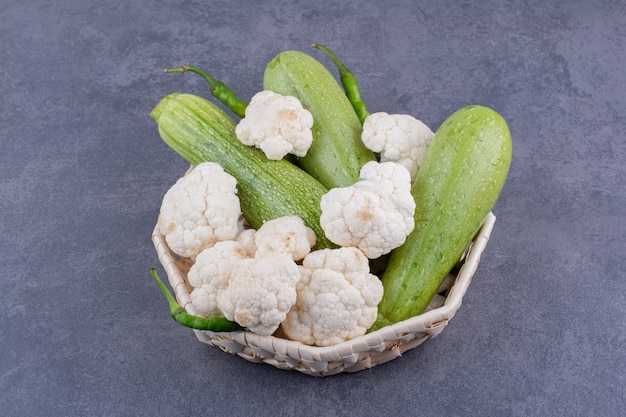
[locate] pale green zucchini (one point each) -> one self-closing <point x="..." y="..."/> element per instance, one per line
<point x="200" y="131"/>
<point x="457" y="185"/>
<point x="337" y="154"/>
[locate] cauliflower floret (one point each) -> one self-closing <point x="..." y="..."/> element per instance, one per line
<point x="210" y="274"/>
<point x="375" y="214"/>
<point x="337" y="298"/>
<point x="199" y="210"/>
<point x="260" y="292"/>
<point x="392" y="178"/>
<point x="285" y="235"/>
<point x="276" y="124"/>
<point x="246" y="239"/>
<point x="399" y="138"/>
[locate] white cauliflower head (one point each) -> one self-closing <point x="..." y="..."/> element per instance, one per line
<point x="199" y="210"/>
<point x="210" y="273"/>
<point x="284" y="235"/>
<point x="375" y="214"/>
<point x="399" y="138"/>
<point x="337" y="298"/>
<point x="277" y="125"/>
<point x="260" y="292"/>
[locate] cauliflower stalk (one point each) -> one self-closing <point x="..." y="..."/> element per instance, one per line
<point x="276" y="124"/>
<point x="199" y="210"/>
<point x="375" y="214"/>
<point x="399" y="138"/>
<point x="337" y="298"/>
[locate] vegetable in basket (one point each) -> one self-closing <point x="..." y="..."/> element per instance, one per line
<point x="375" y="214"/>
<point x="276" y="124"/>
<point x="199" y="210"/>
<point x="460" y="179"/>
<point x="210" y="273"/>
<point x="337" y="298"/>
<point x="399" y="138"/>
<point x="260" y="292"/>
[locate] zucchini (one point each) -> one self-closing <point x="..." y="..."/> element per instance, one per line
<point x="200" y="131"/>
<point x="337" y="154"/>
<point x="457" y="185"/>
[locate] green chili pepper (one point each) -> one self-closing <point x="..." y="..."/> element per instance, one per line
<point x="215" y="324"/>
<point x="218" y="90"/>
<point x="349" y="83"/>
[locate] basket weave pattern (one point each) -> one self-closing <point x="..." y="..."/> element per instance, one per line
<point x="360" y="353"/>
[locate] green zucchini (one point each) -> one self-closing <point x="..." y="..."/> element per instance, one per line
<point x="337" y="154"/>
<point x="200" y="131"/>
<point x="457" y="185"/>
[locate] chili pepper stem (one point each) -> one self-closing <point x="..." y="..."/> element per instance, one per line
<point x="184" y="68"/>
<point x="175" y="308"/>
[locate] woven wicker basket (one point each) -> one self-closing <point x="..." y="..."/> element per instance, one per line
<point x="354" y="355"/>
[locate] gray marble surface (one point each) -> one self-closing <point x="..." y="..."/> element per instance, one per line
<point x="85" y="332"/>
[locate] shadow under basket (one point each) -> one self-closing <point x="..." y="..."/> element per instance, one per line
<point x="360" y="353"/>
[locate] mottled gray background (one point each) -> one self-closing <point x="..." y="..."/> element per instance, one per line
<point x="85" y="332"/>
